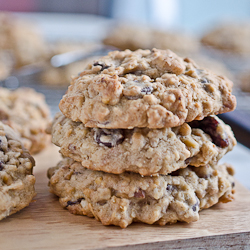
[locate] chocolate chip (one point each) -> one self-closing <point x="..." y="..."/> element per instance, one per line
<point x="147" y="90"/>
<point x="233" y="184"/>
<point x="209" y="125"/>
<point x="78" y="201"/>
<point x="1" y="165"/>
<point x="104" y="66"/>
<point x="139" y="194"/>
<point x="109" y="137"/>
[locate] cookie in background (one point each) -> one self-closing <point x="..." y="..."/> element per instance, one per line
<point x="230" y="37"/>
<point x="133" y="38"/>
<point x="16" y="178"/>
<point x="22" y="40"/>
<point x="27" y="113"/>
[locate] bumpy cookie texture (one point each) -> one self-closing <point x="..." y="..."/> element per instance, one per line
<point x="143" y="150"/>
<point x="28" y="114"/>
<point x="122" y="199"/>
<point x="230" y="37"/>
<point x="16" y="179"/>
<point x="153" y="89"/>
<point x="133" y="38"/>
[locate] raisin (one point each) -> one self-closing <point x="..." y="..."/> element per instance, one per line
<point x="188" y="160"/>
<point x="1" y="165"/>
<point x="137" y="73"/>
<point x="195" y="207"/>
<point x="0" y="146"/>
<point x="139" y="194"/>
<point x="133" y="97"/>
<point x="109" y="137"/>
<point x="102" y="202"/>
<point x="170" y="187"/>
<point x="147" y="90"/>
<point x="3" y="115"/>
<point x="204" y="80"/>
<point x="209" y="125"/>
<point x="78" y="201"/>
<point x="104" y="66"/>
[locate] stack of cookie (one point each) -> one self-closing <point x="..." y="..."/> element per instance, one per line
<point x="141" y="140"/>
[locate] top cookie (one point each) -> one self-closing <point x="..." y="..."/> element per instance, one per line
<point x="145" y="88"/>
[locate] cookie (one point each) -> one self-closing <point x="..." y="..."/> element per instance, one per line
<point x="23" y="40"/>
<point x="16" y="179"/>
<point x="133" y="38"/>
<point x="233" y="37"/>
<point x="153" y="89"/>
<point x="143" y="150"/>
<point x="28" y="114"/>
<point x="122" y="199"/>
<point x="245" y="81"/>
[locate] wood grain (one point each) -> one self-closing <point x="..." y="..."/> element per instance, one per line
<point x="46" y="225"/>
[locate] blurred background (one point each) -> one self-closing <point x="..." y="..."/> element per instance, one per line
<point x="192" y="16"/>
<point x="215" y="33"/>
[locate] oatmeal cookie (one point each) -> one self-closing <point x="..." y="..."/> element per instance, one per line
<point x="28" y="114"/>
<point x="133" y="38"/>
<point x="143" y="150"/>
<point x="22" y="39"/>
<point x="233" y="37"/>
<point x="124" y="198"/>
<point x="245" y="80"/>
<point x="16" y="179"/>
<point x="153" y="89"/>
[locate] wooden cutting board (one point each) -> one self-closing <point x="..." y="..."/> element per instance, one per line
<point x="46" y="225"/>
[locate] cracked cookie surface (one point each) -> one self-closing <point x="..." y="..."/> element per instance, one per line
<point x="144" y="88"/>
<point x="28" y="114"/>
<point x="16" y="179"/>
<point x="143" y="150"/>
<point x="121" y="199"/>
